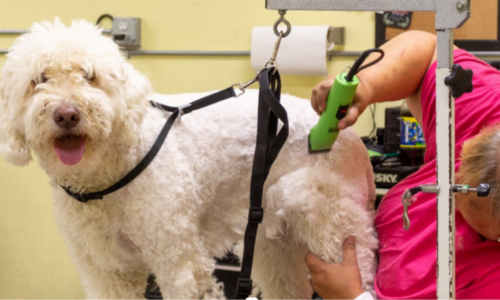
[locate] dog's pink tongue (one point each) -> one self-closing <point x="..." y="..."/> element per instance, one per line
<point x="70" y="150"/>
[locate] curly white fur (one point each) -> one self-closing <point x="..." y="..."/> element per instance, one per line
<point x="190" y="205"/>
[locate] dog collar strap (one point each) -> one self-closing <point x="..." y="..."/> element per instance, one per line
<point x="148" y="158"/>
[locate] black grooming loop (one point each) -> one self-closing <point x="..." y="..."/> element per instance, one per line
<point x="269" y="143"/>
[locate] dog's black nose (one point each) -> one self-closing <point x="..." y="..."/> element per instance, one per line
<point x="66" y="116"/>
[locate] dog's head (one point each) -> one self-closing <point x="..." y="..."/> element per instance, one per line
<point x="67" y="93"/>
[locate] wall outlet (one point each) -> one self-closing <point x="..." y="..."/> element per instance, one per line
<point x="127" y="33"/>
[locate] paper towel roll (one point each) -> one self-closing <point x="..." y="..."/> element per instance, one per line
<point x="303" y="52"/>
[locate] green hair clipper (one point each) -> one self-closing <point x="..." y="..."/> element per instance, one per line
<point x="324" y="134"/>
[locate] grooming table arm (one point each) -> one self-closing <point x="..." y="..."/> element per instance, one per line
<point x="450" y="14"/>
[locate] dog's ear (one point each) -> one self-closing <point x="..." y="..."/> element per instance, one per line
<point x="13" y="145"/>
<point x="16" y="85"/>
<point x="136" y="91"/>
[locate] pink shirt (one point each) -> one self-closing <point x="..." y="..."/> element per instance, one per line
<point x="407" y="259"/>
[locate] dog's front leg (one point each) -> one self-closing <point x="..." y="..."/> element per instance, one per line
<point x="102" y="283"/>
<point x="184" y="270"/>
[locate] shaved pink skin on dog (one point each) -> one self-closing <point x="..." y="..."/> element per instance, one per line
<point x="70" y="149"/>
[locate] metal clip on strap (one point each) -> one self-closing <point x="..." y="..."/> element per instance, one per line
<point x="244" y="86"/>
<point x="271" y="63"/>
<point x="407" y="199"/>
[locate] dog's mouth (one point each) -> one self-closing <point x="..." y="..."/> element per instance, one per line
<point x="69" y="148"/>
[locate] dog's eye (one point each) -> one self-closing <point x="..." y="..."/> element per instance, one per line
<point x="40" y="79"/>
<point x="43" y="78"/>
<point x="89" y="76"/>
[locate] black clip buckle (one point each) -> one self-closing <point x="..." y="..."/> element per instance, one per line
<point x="82" y="197"/>
<point x="243" y="288"/>
<point x="255" y="215"/>
<point x="86" y="197"/>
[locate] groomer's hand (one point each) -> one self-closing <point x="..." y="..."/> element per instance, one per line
<point x="320" y="94"/>
<point x="336" y="281"/>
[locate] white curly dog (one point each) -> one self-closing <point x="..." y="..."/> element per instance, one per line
<point x="69" y="95"/>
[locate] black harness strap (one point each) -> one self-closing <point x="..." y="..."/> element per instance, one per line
<point x="148" y="158"/>
<point x="200" y="103"/>
<point x="267" y="149"/>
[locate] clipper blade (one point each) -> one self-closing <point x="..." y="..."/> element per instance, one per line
<point x="311" y="151"/>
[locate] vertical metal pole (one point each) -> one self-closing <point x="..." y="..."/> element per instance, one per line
<point x="445" y="144"/>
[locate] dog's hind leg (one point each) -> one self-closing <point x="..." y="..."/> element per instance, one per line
<point x="279" y="269"/>
<point x="316" y="209"/>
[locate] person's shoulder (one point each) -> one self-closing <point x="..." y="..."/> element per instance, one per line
<point x="486" y="79"/>
<point x="469" y="61"/>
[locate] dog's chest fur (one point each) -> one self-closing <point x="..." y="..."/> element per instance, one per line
<point x="98" y="230"/>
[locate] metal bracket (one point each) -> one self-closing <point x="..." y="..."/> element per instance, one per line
<point x="336" y="35"/>
<point x="451" y="14"/>
<point x="127" y="33"/>
<point x="430" y="188"/>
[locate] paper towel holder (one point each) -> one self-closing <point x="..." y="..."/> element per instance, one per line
<point x="336" y="35"/>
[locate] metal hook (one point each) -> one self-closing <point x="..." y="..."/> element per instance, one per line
<point x="243" y="86"/>
<point x="407" y="201"/>
<point x="272" y="61"/>
<point x="282" y="19"/>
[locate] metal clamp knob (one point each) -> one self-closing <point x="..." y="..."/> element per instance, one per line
<point x="482" y="190"/>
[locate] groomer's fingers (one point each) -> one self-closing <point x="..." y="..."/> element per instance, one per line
<point x="350" y="252"/>
<point x="313" y="263"/>
<point x="320" y="94"/>
<point x="352" y="115"/>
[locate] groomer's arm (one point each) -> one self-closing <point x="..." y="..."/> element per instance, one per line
<point x="397" y="76"/>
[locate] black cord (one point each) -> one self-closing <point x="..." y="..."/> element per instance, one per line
<point x="102" y="17"/>
<point x="356" y="68"/>
<point x="415" y="190"/>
